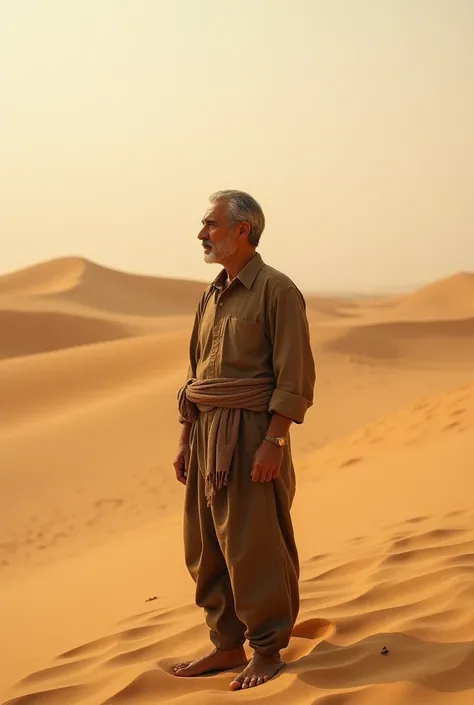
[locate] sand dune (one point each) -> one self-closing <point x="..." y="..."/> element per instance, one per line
<point x="82" y="282"/>
<point x="90" y="527"/>
<point x="410" y="341"/>
<point x="452" y="297"/>
<point x="46" y="278"/>
<point x="27" y="333"/>
<point x="72" y="302"/>
<point x="381" y="456"/>
<point x="49" y="383"/>
<point x="399" y="576"/>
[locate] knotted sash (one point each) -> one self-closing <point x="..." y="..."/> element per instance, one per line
<point x="227" y="397"/>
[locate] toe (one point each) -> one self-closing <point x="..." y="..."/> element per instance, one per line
<point x="246" y="683"/>
<point x="253" y="682"/>
<point x="236" y="684"/>
<point x="182" y="664"/>
<point x="261" y="680"/>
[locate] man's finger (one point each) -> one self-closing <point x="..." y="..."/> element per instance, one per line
<point x="270" y="475"/>
<point x="180" y="470"/>
<point x="262" y="475"/>
<point x="252" y="472"/>
<point x="255" y="472"/>
<point x="181" y="475"/>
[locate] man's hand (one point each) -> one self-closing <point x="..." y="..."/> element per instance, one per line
<point x="181" y="463"/>
<point x="267" y="462"/>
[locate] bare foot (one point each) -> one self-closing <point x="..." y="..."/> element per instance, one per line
<point x="216" y="661"/>
<point x="259" y="671"/>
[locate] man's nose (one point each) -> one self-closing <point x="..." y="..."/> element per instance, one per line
<point x="202" y="234"/>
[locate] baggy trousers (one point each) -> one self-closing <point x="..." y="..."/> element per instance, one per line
<point x="241" y="552"/>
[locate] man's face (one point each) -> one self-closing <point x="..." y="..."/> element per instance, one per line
<point x="219" y="238"/>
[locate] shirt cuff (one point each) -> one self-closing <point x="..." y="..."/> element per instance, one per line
<point x="293" y="406"/>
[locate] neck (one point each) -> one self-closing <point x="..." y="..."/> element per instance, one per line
<point x="237" y="263"/>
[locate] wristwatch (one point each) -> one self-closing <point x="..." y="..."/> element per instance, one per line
<point x="277" y="440"/>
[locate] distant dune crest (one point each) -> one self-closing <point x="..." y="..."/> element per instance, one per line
<point x="449" y="297"/>
<point x="454" y="293"/>
<point x="46" y="278"/>
<point x="88" y="284"/>
<point x="71" y="301"/>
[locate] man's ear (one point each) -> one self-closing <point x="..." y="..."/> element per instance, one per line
<point x="244" y="230"/>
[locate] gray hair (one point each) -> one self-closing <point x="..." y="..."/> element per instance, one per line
<point x="241" y="206"/>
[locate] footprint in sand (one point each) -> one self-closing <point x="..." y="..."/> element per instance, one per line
<point x="305" y="638"/>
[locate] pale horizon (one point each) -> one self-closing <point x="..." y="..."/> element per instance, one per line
<point x="351" y="125"/>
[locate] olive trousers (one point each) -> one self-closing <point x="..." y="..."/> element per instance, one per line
<point x="241" y="551"/>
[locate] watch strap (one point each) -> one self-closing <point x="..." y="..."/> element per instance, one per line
<point x="276" y="440"/>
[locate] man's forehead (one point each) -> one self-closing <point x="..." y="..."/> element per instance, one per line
<point x="215" y="209"/>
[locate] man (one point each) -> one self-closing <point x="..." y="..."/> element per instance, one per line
<point x="251" y="375"/>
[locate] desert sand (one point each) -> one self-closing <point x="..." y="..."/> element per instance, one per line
<point x="95" y="601"/>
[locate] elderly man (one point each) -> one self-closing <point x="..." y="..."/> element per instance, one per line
<point x="251" y="375"/>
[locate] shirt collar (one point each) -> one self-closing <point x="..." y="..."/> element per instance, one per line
<point x="247" y="275"/>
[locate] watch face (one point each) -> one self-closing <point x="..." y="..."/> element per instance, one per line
<point x="281" y="441"/>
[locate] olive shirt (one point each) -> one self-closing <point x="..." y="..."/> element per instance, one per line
<point x="256" y="327"/>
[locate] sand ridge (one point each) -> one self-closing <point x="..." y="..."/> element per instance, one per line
<point x="90" y="529"/>
<point x="86" y="283"/>
<point x="450" y="297"/>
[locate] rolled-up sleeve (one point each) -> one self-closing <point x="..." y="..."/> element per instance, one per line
<point x="293" y="361"/>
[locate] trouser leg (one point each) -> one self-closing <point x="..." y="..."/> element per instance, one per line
<point x="255" y="531"/>
<point x="206" y="564"/>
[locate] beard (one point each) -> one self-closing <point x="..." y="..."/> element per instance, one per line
<point x="219" y="251"/>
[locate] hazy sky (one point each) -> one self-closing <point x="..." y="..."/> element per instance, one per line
<point x="352" y="121"/>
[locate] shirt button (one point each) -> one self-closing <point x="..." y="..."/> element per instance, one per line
<point x="221" y="304"/>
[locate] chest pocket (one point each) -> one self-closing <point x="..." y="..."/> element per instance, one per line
<point x="244" y="346"/>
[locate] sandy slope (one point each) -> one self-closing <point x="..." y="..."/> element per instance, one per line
<point x="85" y="283"/>
<point x="452" y="297"/>
<point x="90" y="523"/>
<point x="72" y="301"/>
